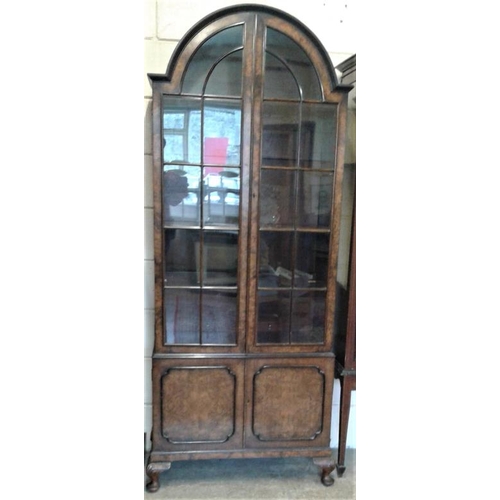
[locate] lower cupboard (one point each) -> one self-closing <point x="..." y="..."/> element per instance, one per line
<point x="233" y="407"/>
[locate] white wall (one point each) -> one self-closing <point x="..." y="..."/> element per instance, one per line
<point x="165" y="22"/>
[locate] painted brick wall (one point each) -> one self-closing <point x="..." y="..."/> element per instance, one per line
<point x="165" y="22"/>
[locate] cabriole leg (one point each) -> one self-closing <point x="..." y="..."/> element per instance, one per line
<point x="153" y="470"/>
<point x="327" y="467"/>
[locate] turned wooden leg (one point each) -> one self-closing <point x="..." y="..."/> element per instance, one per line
<point x="347" y="385"/>
<point x="153" y="471"/>
<point x="327" y="467"/>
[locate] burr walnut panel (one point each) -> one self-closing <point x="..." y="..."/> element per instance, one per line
<point x="289" y="402"/>
<point x="198" y="404"/>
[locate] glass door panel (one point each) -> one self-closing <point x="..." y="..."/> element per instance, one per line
<point x="311" y="260"/>
<point x="218" y="258"/>
<point x="181" y="195"/>
<point x="287" y="50"/>
<point x="225" y="78"/>
<point x="318" y="126"/>
<point x="277" y="201"/>
<point x="219" y="317"/>
<point x="181" y="130"/>
<point x="279" y="82"/>
<point x="221" y="195"/>
<point x="181" y="257"/>
<point x="222" y="132"/>
<point x="275" y="258"/>
<point x="181" y="315"/>
<point x="280" y="140"/>
<point x="208" y="55"/>
<point x="308" y="317"/>
<point x="273" y="316"/>
<point x="314" y="199"/>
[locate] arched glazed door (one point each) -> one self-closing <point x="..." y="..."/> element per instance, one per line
<point x="248" y="162"/>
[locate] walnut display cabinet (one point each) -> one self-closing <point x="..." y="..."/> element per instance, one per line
<point x="248" y="154"/>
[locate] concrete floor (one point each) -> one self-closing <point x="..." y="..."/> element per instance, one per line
<point x="247" y="479"/>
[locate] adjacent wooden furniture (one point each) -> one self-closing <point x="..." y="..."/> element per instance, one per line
<point x="346" y="366"/>
<point x="345" y="341"/>
<point x="248" y="153"/>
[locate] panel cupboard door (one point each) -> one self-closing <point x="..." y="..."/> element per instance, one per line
<point x="288" y="402"/>
<point x="197" y="404"/>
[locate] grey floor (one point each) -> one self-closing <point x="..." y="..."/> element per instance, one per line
<point x="247" y="479"/>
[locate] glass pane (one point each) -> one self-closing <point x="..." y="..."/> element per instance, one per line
<point x="182" y="316"/>
<point x="298" y="61"/>
<point x="226" y="76"/>
<point x="207" y="55"/>
<point x="311" y="260"/>
<point x="181" y="195"/>
<point x="279" y="81"/>
<point x="222" y="132"/>
<point x="319" y="130"/>
<point x="273" y="322"/>
<point x="219" y="313"/>
<point x="181" y="130"/>
<point x="315" y="199"/>
<point x="275" y="259"/>
<point x="180" y="263"/>
<point x="280" y="134"/>
<point x="221" y="195"/>
<point x="308" y="317"/>
<point x="277" y="193"/>
<point x="220" y="258"/>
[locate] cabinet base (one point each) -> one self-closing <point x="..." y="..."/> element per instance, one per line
<point x="159" y="462"/>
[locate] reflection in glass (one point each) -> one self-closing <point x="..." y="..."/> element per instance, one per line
<point x="319" y="122"/>
<point x="279" y="82"/>
<point x="221" y="132"/>
<point x="180" y="263"/>
<point x="275" y="258"/>
<point x="219" y="258"/>
<point x="273" y="321"/>
<point x="277" y="205"/>
<point x="308" y="317"/>
<point x="219" y="314"/>
<point x="182" y="318"/>
<point x="226" y="76"/>
<point x="311" y="260"/>
<point x="315" y="199"/>
<point x="221" y="195"/>
<point x="181" y="130"/>
<point x="207" y="55"/>
<point x="181" y="195"/>
<point x="280" y="134"/>
<point x="299" y="62"/>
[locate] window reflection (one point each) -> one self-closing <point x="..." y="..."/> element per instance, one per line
<point x="221" y="195"/>
<point x="181" y="130"/>
<point x="221" y="132"/>
<point x="181" y="195"/>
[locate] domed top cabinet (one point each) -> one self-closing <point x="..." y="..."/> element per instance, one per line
<point x="248" y="147"/>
